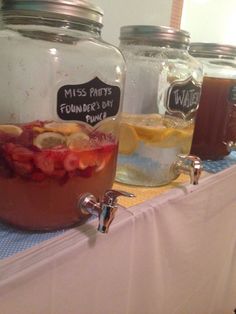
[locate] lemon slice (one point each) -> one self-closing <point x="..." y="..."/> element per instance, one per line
<point x="78" y="140"/>
<point x="64" y="128"/>
<point x="150" y="134"/>
<point x="11" y="129"/>
<point x="109" y="126"/>
<point x="49" y="140"/>
<point x="39" y="129"/>
<point x="148" y="127"/>
<point x="128" y="139"/>
<point x="175" y="138"/>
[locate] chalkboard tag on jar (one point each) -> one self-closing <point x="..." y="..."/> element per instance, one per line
<point x="183" y="98"/>
<point x="90" y="102"/>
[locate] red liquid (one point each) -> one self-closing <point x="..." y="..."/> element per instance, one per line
<point x="39" y="187"/>
<point x="213" y="117"/>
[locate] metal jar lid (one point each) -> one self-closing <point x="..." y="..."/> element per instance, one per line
<point x="200" y="49"/>
<point x="78" y="9"/>
<point x="151" y="33"/>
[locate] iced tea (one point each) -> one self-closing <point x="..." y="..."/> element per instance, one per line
<point x="216" y="119"/>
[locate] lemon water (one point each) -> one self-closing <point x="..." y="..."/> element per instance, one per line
<point x="148" y="148"/>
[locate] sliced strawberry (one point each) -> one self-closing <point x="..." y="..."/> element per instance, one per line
<point x="23" y="168"/>
<point x="71" y="161"/>
<point x="22" y="154"/>
<point x="87" y="159"/>
<point x="58" y="155"/>
<point x="97" y="158"/>
<point x="104" y="154"/>
<point x="9" y="148"/>
<point x="44" y="162"/>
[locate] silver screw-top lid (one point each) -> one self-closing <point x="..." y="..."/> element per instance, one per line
<point x="77" y="9"/>
<point x="151" y="33"/>
<point x="200" y="49"/>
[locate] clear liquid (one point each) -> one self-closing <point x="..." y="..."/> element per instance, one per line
<point x="151" y="162"/>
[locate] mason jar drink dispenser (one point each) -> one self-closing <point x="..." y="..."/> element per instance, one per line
<point x="162" y="92"/>
<point x="61" y="87"/>
<point x="215" y="129"/>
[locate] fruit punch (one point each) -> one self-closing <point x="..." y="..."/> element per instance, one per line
<point x="45" y="166"/>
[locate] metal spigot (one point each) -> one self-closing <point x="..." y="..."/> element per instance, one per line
<point x="188" y="164"/>
<point x="231" y="146"/>
<point x="105" y="209"/>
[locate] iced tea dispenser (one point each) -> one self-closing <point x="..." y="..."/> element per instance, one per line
<point x="215" y="129"/>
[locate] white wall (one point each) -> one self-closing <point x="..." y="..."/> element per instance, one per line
<point x="210" y="20"/>
<point x="124" y="12"/>
<point x="127" y="12"/>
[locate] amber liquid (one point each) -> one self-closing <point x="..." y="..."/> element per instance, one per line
<point x="216" y="119"/>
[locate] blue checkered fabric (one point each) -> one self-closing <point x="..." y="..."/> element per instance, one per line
<point x="13" y="241"/>
<point x="219" y="165"/>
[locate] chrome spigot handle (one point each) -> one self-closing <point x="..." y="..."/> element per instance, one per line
<point x="88" y="204"/>
<point x="231" y="146"/>
<point x="109" y="207"/>
<point x="105" y="209"/>
<point x="188" y="164"/>
<point x="110" y="196"/>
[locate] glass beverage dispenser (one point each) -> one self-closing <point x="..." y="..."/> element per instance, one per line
<point x="215" y="129"/>
<point x="60" y="92"/>
<point x="162" y="92"/>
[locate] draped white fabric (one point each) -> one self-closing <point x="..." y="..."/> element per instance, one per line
<point x="174" y="254"/>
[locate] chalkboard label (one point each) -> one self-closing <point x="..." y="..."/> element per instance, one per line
<point x="232" y="94"/>
<point x="183" y="97"/>
<point x="90" y="102"/>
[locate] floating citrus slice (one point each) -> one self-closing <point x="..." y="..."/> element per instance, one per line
<point x="170" y="138"/>
<point x="49" y="140"/>
<point x="64" y="128"/>
<point x="128" y="139"/>
<point x="148" y="127"/>
<point x="77" y="141"/>
<point x="11" y="129"/>
<point x="150" y="133"/>
<point x="175" y="138"/>
<point x="109" y="126"/>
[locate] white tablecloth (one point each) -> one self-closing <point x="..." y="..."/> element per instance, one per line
<point x="174" y="254"/>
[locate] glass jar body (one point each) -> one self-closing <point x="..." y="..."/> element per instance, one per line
<point x="216" y="118"/>
<point x="158" y="126"/>
<point x="60" y="91"/>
